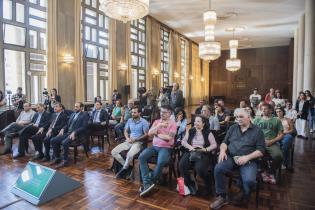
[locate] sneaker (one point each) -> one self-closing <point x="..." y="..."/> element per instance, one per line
<point x="283" y="167"/>
<point x="146" y="189"/>
<point x="218" y="202"/>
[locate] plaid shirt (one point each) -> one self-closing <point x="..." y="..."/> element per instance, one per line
<point x="16" y="97"/>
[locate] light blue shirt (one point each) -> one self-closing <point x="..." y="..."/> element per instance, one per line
<point x="137" y="128"/>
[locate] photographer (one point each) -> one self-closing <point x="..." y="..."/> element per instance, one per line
<point x="19" y="99"/>
<point x="51" y="100"/>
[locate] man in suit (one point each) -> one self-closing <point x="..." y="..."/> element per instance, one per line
<point x="71" y="131"/>
<point x="39" y="124"/>
<point x="177" y="100"/>
<point x="57" y="121"/>
<point x="98" y="119"/>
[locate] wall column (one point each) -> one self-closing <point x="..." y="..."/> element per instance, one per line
<point x="295" y="65"/>
<point x="300" y="73"/>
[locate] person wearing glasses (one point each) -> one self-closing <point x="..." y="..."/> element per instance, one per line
<point x="163" y="132"/>
<point x="208" y="112"/>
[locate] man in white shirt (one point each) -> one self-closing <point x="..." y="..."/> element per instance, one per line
<point x="14" y="128"/>
<point x="289" y="111"/>
<point x="254" y="98"/>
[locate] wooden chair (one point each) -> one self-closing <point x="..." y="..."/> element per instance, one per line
<point x="81" y="141"/>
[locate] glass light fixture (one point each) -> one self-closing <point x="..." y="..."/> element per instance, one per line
<point x="209" y="50"/>
<point x="210" y="17"/>
<point x="233" y="64"/>
<point x="233" y="43"/>
<point x="125" y="10"/>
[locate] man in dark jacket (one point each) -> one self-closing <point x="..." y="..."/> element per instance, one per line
<point x="56" y="123"/>
<point x="98" y="119"/>
<point x="71" y="131"/>
<point x="39" y="124"/>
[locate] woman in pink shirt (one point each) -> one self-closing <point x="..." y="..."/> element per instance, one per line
<point x="199" y="143"/>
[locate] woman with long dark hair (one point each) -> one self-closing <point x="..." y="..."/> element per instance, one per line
<point x="311" y="110"/>
<point x="301" y="106"/>
<point x="52" y="99"/>
<point x="199" y="142"/>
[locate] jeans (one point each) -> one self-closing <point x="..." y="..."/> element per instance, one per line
<point x="119" y="129"/>
<point x="286" y="144"/>
<point x="163" y="158"/>
<point x="248" y="174"/>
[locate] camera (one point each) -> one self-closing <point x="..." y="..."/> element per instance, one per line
<point x="45" y="92"/>
<point x="9" y="92"/>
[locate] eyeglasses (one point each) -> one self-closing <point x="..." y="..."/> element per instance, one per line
<point x="164" y="112"/>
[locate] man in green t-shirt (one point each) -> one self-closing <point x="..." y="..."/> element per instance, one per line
<point x="273" y="132"/>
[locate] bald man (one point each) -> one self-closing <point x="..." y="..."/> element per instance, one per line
<point x="243" y="144"/>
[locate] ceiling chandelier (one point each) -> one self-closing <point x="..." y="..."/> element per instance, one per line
<point x="125" y="10"/>
<point x="209" y="49"/>
<point x="233" y="64"/>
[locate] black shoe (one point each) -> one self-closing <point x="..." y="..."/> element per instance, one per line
<point x="146" y="189"/>
<point x="192" y="188"/>
<point x="123" y="173"/>
<point x="62" y="164"/>
<point x="18" y="155"/>
<point x="45" y="159"/>
<point x="56" y="161"/>
<point x="5" y="152"/>
<point x="37" y="157"/>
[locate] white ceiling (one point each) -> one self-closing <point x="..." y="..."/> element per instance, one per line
<point x="267" y="22"/>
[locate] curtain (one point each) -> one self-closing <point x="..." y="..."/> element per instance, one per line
<point x="52" y="51"/>
<point x="78" y="55"/>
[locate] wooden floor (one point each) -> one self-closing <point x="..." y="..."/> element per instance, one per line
<point x="100" y="190"/>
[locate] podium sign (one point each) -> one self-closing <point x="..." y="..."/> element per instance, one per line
<point x="39" y="184"/>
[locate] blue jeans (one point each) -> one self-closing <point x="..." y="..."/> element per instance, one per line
<point x="163" y="158"/>
<point x="248" y="174"/>
<point x="119" y="129"/>
<point x="286" y="144"/>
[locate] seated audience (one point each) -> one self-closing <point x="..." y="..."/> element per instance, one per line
<point x="58" y="120"/>
<point x="181" y="123"/>
<point x="301" y="106"/>
<point x="259" y="109"/>
<point x="116" y="113"/>
<point x="75" y="127"/>
<point x="125" y="116"/>
<point x="136" y="132"/>
<point x="278" y="100"/>
<point x="226" y="111"/>
<point x="208" y="112"/>
<point x="24" y="119"/>
<point x="243" y="144"/>
<point x="222" y="116"/>
<point x="255" y="98"/>
<point x="18" y="99"/>
<point x="163" y="132"/>
<point x="199" y="142"/>
<point x="98" y="99"/>
<point x="98" y="119"/>
<point x="273" y="133"/>
<point x="290" y="112"/>
<point x="288" y="130"/>
<point x="251" y="112"/>
<point x="2" y="99"/>
<point x="269" y="96"/>
<point x="39" y="124"/>
<point x="243" y="104"/>
<point x="201" y="103"/>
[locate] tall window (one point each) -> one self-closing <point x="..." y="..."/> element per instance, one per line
<point x="165" y="57"/>
<point x="95" y="27"/>
<point x="23" y="43"/>
<point x="138" y="54"/>
<point x="183" y="65"/>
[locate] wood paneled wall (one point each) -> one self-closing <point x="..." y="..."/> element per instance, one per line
<point x="262" y="68"/>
